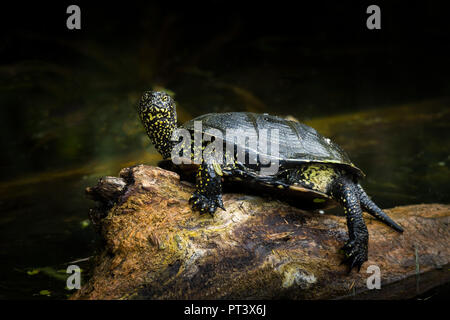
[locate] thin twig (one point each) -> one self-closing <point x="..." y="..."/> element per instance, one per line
<point x="417" y="268"/>
<point x="80" y="260"/>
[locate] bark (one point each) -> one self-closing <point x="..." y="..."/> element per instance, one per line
<point x="156" y="247"/>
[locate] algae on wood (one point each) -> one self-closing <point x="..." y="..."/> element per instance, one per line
<point x="156" y="247"/>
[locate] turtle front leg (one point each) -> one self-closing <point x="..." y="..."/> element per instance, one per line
<point x="356" y="248"/>
<point x="208" y="194"/>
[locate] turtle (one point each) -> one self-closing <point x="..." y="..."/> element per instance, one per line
<point x="309" y="165"/>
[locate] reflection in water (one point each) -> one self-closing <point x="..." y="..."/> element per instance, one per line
<point x="65" y="123"/>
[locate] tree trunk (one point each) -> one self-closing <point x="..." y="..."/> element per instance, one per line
<point x="156" y="247"/>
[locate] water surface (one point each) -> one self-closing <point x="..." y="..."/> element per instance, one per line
<point x="68" y="117"/>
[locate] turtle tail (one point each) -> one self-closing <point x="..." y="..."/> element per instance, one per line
<point x="370" y="207"/>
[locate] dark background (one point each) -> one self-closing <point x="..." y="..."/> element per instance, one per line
<point x="321" y="51"/>
<point x="67" y="100"/>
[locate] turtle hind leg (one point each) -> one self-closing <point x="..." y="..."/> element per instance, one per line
<point x="371" y="208"/>
<point x="208" y="194"/>
<point x="356" y="248"/>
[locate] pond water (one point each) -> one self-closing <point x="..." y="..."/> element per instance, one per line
<point x="68" y="117"/>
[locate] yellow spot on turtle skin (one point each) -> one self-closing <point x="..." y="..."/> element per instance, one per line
<point x="280" y="187"/>
<point x="317" y="177"/>
<point x="318" y="200"/>
<point x="217" y="169"/>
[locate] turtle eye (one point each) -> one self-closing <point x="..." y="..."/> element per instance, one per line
<point x="164" y="98"/>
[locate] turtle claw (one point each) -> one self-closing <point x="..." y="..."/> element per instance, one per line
<point x="355" y="254"/>
<point x="204" y="204"/>
<point x="219" y="203"/>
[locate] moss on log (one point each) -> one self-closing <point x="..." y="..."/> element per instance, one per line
<point x="156" y="247"/>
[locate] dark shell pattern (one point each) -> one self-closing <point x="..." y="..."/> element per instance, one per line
<point x="297" y="142"/>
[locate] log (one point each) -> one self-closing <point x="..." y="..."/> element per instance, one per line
<point x="156" y="247"/>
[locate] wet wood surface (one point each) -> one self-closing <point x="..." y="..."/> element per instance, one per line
<point x="155" y="247"/>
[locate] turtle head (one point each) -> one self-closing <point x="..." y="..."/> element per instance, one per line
<point x="158" y="114"/>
